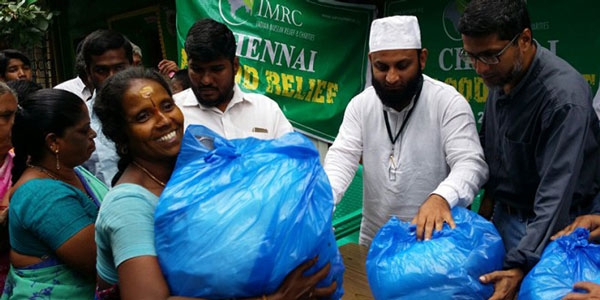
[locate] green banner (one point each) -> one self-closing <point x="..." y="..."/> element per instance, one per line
<point x="567" y="29"/>
<point x="309" y="56"/>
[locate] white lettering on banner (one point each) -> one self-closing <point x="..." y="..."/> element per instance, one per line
<point x="552" y="47"/>
<point x="459" y="64"/>
<point x="279" y="54"/>
<point x="540" y="26"/>
<point x="279" y="13"/>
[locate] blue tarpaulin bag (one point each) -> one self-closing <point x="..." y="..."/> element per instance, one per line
<point x="447" y="266"/>
<point x="238" y="215"/>
<point x="565" y="261"/>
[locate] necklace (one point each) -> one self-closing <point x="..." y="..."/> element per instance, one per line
<point x="393" y="164"/>
<point x="43" y="170"/>
<point x="55" y="177"/>
<point x="161" y="183"/>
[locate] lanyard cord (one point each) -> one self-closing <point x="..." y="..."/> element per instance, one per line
<point x="387" y="121"/>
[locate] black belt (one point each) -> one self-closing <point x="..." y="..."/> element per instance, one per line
<point x="575" y="210"/>
<point x="511" y="210"/>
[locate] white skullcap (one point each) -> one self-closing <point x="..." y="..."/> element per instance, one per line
<point x="393" y="33"/>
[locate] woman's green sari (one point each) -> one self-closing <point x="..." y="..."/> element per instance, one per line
<point x="51" y="278"/>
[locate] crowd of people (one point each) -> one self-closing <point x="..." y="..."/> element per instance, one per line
<point x="84" y="163"/>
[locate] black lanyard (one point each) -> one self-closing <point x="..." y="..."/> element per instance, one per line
<point x="387" y="121"/>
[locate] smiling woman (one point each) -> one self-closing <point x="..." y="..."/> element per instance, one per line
<point x="139" y="115"/>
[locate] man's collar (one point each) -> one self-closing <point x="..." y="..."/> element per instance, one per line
<point x="189" y="98"/>
<point x="238" y="97"/>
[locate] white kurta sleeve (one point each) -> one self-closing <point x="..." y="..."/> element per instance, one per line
<point x="464" y="154"/>
<point x="342" y="159"/>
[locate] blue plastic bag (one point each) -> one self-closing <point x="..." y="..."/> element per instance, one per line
<point x="565" y="261"/>
<point x="238" y="215"/>
<point x="446" y="267"/>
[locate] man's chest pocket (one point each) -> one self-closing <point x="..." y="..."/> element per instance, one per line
<point x="520" y="163"/>
<point x="259" y="132"/>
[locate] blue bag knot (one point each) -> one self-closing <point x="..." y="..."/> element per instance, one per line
<point x="228" y="153"/>
<point x="577" y="239"/>
<point x="565" y="261"/>
<point x="244" y="213"/>
<point x="446" y="267"/>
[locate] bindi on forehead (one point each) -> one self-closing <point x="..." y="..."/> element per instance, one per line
<point x="146" y="92"/>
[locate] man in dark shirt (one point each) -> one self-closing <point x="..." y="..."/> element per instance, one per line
<point x="540" y="135"/>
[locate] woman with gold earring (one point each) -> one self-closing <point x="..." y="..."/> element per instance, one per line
<point x="54" y="203"/>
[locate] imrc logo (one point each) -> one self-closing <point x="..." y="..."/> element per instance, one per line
<point x="279" y="13"/>
<point x="449" y="58"/>
<point x="238" y="12"/>
<point x="235" y="12"/>
<point x="450" y="17"/>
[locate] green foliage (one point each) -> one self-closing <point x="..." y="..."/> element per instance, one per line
<point x="23" y="23"/>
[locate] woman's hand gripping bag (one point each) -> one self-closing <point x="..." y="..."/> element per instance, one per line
<point x="238" y="215"/>
<point x="565" y="261"/>
<point x="447" y="266"/>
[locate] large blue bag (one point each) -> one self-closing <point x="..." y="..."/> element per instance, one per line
<point x="565" y="261"/>
<point x="237" y="216"/>
<point x="447" y="266"/>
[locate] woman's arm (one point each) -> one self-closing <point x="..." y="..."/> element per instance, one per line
<point x="141" y="278"/>
<point x="298" y="286"/>
<point x="79" y="252"/>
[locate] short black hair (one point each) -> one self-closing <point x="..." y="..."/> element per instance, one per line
<point x="80" y="68"/>
<point x="102" y="40"/>
<point x="209" y="40"/>
<point x="7" y="54"/>
<point x="507" y="18"/>
<point x="183" y="77"/>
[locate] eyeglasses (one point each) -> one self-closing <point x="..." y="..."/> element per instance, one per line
<point x="486" y="59"/>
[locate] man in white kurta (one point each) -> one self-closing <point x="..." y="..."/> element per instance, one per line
<point x="435" y="163"/>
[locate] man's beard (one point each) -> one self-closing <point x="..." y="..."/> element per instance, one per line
<point x="398" y="98"/>
<point x="207" y="102"/>
<point x="511" y="77"/>
<point x="222" y="98"/>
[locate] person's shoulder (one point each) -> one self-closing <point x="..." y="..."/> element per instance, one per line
<point x="44" y="187"/>
<point x="365" y="95"/>
<point x="258" y="98"/>
<point x="555" y="73"/>
<point x="440" y="93"/>
<point x="431" y="84"/>
<point x="41" y="192"/>
<point x="124" y="197"/>
<point x="260" y="101"/>
<point x="125" y="203"/>
<point x="69" y="84"/>
<point x="185" y="98"/>
<point x="126" y="191"/>
<point x="365" y="103"/>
